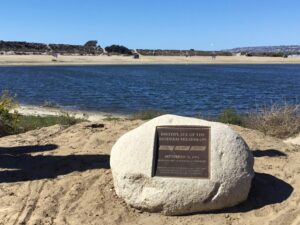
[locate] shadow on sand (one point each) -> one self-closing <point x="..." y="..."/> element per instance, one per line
<point x="268" y="152"/>
<point x="17" y="165"/>
<point x="265" y="190"/>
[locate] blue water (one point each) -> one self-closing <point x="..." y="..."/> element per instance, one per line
<point x="180" y="89"/>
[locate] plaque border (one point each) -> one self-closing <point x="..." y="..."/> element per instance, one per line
<point x="155" y="151"/>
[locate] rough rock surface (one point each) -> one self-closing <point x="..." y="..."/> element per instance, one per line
<point x="231" y="171"/>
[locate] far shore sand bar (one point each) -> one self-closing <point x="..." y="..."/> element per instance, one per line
<point x="40" y="60"/>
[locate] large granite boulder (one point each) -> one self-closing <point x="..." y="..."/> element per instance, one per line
<point x="231" y="171"/>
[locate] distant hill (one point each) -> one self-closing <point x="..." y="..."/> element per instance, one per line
<point x="27" y="48"/>
<point x="282" y="49"/>
<point x="92" y="48"/>
<point x="191" y="52"/>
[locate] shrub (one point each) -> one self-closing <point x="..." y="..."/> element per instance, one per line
<point x="280" y="121"/>
<point x="8" y="121"/>
<point x="230" y="116"/>
<point x="91" y="44"/>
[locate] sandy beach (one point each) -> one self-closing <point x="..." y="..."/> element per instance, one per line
<point x="79" y="114"/>
<point x="59" y="175"/>
<point x="19" y="60"/>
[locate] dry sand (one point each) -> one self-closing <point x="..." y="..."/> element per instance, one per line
<point x="59" y="175"/>
<point x="294" y="140"/>
<point x="11" y="60"/>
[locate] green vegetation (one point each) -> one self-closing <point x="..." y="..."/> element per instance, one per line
<point x="146" y="115"/>
<point x="280" y="121"/>
<point x="91" y="44"/>
<point x="230" y="116"/>
<point x="111" y="118"/>
<point x="118" y="49"/>
<point x="265" y="54"/>
<point x="14" y="123"/>
<point x="8" y="121"/>
<point x="27" y="123"/>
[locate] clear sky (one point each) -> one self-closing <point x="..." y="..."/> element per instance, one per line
<point x="165" y="24"/>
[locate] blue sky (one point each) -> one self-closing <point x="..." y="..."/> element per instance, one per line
<point x="165" y="24"/>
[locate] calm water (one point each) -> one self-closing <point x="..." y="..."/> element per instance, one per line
<point x="181" y="89"/>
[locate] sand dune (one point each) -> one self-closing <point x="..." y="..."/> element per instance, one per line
<point x="60" y="175"/>
<point x="115" y="60"/>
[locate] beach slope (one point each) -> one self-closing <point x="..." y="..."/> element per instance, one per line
<point x="19" y="60"/>
<point x="59" y="175"/>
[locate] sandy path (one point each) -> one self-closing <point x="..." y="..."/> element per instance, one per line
<point x="128" y="60"/>
<point x="61" y="175"/>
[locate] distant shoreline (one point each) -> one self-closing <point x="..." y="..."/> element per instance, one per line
<point x="67" y="60"/>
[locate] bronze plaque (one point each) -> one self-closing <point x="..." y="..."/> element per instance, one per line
<point x="182" y="151"/>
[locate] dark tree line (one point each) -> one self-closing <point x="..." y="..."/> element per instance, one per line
<point x="118" y="49"/>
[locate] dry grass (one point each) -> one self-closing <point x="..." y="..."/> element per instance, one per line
<point x="280" y="121"/>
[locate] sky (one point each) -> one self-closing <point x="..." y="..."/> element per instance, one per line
<point x="153" y="24"/>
